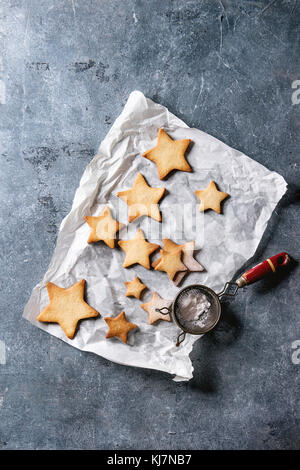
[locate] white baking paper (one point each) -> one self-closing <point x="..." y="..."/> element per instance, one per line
<point x="223" y="242"/>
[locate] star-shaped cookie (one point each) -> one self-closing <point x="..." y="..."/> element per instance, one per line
<point x="156" y="303"/>
<point x="137" y="250"/>
<point x="134" y="288"/>
<point x="188" y="259"/>
<point x="142" y="199"/>
<point x="170" y="262"/>
<point x="104" y="228"/>
<point x="119" y="327"/>
<point x="67" y="307"/>
<point x="168" y="154"/>
<point x="211" y="198"/>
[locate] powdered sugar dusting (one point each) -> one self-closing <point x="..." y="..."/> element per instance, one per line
<point x="194" y="310"/>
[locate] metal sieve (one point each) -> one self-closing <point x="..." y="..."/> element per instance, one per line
<point x="188" y="299"/>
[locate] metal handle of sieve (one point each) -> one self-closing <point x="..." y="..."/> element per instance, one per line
<point x="179" y="341"/>
<point x="167" y="311"/>
<point x="230" y="293"/>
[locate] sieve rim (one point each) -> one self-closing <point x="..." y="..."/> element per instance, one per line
<point x="218" y="313"/>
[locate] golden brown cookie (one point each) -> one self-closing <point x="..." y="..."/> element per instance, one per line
<point x="104" y="228"/>
<point x="170" y="262"/>
<point x="134" y="288"/>
<point x="156" y="303"/>
<point x="188" y="259"/>
<point x="137" y="250"/>
<point x="211" y="198"/>
<point x="142" y="199"/>
<point x="119" y="327"/>
<point x="67" y="307"/>
<point x="168" y="154"/>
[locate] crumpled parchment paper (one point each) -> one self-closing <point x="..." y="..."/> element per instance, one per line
<point x="223" y="242"/>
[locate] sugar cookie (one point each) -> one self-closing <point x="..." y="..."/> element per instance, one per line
<point x="67" y="307"/>
<point x="156" y="303"/>
<point x="104" y="228"/>
<point x="134" y="288"/>
<point x="170" y="262"/>
<point x="142" y="199"/>
<point x="168" y="154"/>
<point x="211" y="198"/>
<point x="188" y="259"/>
<point x="137" y="250"/>
<point x="119" y="327"/>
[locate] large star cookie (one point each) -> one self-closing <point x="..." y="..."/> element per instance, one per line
<point x="211" y="198"/>
<point x="135" y="288"/>
<point x="142" y="199"/>
<point x="168" y="154"/>
<point x="104" y="228"/>
<point x="67" y="307"/>
<point x="188" y="259"/>
<point x="154" y="305"/>
<point x="137" y="250"/>
<point x="119" y="327"/>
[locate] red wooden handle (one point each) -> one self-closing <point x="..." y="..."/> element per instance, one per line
<point x="268" y="266"/>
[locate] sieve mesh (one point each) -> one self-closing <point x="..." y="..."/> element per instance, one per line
<point x="196" y="309"/>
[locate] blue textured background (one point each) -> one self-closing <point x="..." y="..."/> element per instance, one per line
<point x="226" y="67"/>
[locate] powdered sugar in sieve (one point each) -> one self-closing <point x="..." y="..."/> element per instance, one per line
<point x="196" y="308"/>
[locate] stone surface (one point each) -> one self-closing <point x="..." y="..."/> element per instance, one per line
<point x="66" y="70"/>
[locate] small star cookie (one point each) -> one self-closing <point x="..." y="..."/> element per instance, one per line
<point x="170" y="262"/>
<point x="119" y="327"/>
<point x="168" y="154"/>
<point x="211" y="198"/>
<point x="104" y="228"/>
<point x="155" y="304"/>
<point x="134" y="288"/>
<point x="142" y="199"/>
<point x="137" y="250"/>
<point x="67" y="307"/>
